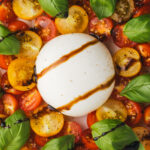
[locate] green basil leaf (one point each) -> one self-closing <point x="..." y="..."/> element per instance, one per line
<point x="103" y="8"/>
<point x="138" y="29"/>
<point x="55" y="8"/>
<point x="138" y="89"/>
<point x="14" y="137"/>
<point x="62" y="143"/>
<point x="118" y="139"/>
<point x="9" y="44"/>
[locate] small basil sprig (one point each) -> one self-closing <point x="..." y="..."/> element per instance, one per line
<point x="15" y="133"/>
<point x="62" y="143"/>
<point x="115" y="135"/>
<point x="55" y="8"/>
<point x="103" y="8"/>
<point x="9" y="44"/>
<point x="138" y="29"/>
<point x="138" y="89"/>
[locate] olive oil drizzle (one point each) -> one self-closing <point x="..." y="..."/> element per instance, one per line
<point x="66" y="57"/>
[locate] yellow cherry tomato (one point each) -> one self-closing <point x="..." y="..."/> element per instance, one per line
<point x="20" y="74"/>
<point x="127" y="62"/>
<point x="76" y="22"/>
<point x="112" y="109"/>
<point x="47" y="123"/>
<point x="27" y="9"/>
<point x="31" y="44"/>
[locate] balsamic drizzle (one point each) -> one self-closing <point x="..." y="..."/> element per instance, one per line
<point x="52" y="108"/>
<point x="105" y="133"/>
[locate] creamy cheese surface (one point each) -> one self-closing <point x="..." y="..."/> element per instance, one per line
<point x="75" y="73"/>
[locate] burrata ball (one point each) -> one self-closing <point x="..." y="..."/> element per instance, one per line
<point x="75" y="74"/>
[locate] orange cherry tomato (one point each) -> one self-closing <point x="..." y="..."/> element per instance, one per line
<point x="46" y="28"/>
<point x="10" y="104"/>
<point x="5" y="61"/>
<point x="30" y="100"/>
<point x="39" y="140"/>
<point x="17" y="26"/>
<point x="120" y="39"/>
<point x="147" y="115"/>
<point x="91" y="118"/>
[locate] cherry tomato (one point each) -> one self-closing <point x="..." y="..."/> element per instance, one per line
<point x="120" y="39"/>
<point x="147" y="115"/>
<point x="1" y="107"/>
<point x="102" y="28"/>
<point x="134" y="112"/>
<point x="5" y="61"/>
<point x="71" y="127"/>
<point x="45" y="28"/>
<point x="10" y="104"/>
<point x="87" y="140"/>
<point x="39" y="140"/>
<point x="6" y="12"/>
<point x="17" y="26"/>
<point x="30" y="100"/>
<point x="91" y="118"/>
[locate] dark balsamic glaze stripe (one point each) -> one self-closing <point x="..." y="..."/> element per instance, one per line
<point x="105" y="133"/>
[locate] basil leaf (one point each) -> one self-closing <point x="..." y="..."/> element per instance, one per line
<point x="55" y="8"/>
<point x="103" y="8"/>
<point x="9" y="44"/>
<point x="138" y="29"/>
<point x="138" y="89"/>
<point x="120" y="138"/>
<point x="62" y="143"/>
<point x="14" y="137"/>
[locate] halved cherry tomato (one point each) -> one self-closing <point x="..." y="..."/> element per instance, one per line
<point x="45" y="28"/>
<point x="147" y="115"/>
<point x="76" y="22"/>
<point x="5" y="61"/>
<point x="91" y="118"/>
<point x="17" y="26"/>
<point x="31" y="44"/>
<point x="20" y="74"/>
<point x="28" y="9"/>
<point x="127" y="62"/>
<point x="120" y="39"/>
<point x="112" y="109"/>
<point x="39" y="140"/>
<point x="10" y="104"/>
<point x="71" y="127"/>
<point x="134" y="112"/>
<point x="139" y="3"/>
<point x="6" y="12"/>
<point x="87" y="140"/>
<point x="47" y="123"/>
<point x="30" y="100"/>
<point x="101" y="28"/>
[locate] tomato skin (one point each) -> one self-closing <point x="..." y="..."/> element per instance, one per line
<point x="91" y="118"/>
<point x="120" y="39"/>
<point x="17" y="26"/>
<point x="147" y="115"/>
<point x="5" y="61"/>
<point x="46" y="28"/>
<point x="39" y="140"/>
<point x="30" y="100"/>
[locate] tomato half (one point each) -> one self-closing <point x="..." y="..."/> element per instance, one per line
<point x="5" y="61"/>
<point x="17" y="26"/>
<point x="120" y="39"/>
<point x="88" y="141"/>
<point x="147" y="115"/>
<point x="45" y="28"/>
<point x="91" y="118"/>
<point x="10" y="104"/>
<point x="30" y="100"/>
<point x="39" y="140"/>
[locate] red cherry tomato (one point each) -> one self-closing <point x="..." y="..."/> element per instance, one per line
<point x="45" y="28"/>
<point x="30" y="100"/>
<point x="88" y="141"/>
<point x="39" y="140"/>
<point x="10" y="104"/>
<point x="120" y="39"/>
<point x="6" y="12"/>
<point x="134" y="112"/>
<point x="102" y="28"/>
<point x="91" y="118"/>
<point x="17" y="26"/>
<point x="147" y="115"/>
<point x="5" y="61"/>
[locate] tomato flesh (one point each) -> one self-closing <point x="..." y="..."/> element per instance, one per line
<point x="91" y="118"/>
<point x="5" y="61"/>
<point x="39" y="140"/>
<point x="147" y="115"/>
